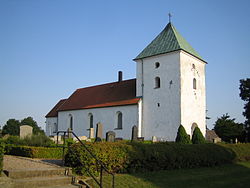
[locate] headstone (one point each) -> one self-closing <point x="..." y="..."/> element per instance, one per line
<point x="25" y="130"/>
<point x="118" y="139"/>
<point x="69" y="133"/>
<point x="81" y="138"/>
<point x="58" y="138"/>
<point x="110" y="136"/>
<point x="99" y="130"/>
<point x="154" y="139"/>
<point x="91" y="133"/>
<point x="134" y="133"/>
<point x="140" y="139"/>
<point x="98" y="139"/>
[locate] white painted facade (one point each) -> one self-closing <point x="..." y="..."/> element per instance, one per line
<point x="107" y="116"/>
<point x="175" y="102"/>
<point x="51" y="125"/>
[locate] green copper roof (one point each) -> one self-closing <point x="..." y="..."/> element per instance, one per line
<point x="167" y="41"/>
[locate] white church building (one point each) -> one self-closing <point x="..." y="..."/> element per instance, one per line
<point x="169" y="90"/>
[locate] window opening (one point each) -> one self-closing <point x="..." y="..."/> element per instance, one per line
<point x="157" y="82"/>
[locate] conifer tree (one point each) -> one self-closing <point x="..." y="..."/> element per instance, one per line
<point x="182" y="136"/>
<point x="197" y="137"/>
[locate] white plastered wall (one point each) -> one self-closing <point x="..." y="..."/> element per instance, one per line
<point x="107" y="116"/>
<point x="160" y="106"/>
<point x="193" y="101"/>
<point x="51" y="122"/>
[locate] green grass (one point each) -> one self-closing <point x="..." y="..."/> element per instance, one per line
<point x="233" y="175"/>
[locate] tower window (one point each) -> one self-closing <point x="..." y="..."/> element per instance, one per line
<point x="157" y="82"/>
<point x="193" y="66"/>
<point x="157" y="65"/>
<point x="194" y="84"/>
<point x="91" y="125"/>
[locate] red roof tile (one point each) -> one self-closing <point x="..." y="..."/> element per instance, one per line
<point x="54" y="111"/>
<point x="106" y="95"/>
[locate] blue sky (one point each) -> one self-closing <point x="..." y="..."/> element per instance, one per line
<point x="49" y="48"/>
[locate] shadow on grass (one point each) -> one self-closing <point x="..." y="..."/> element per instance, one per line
<point x="231" y="175"/>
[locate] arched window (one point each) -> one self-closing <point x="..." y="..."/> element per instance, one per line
<point x="193" y="127"/>
<point x="55" y="128"/>
<point x="119" y="120"/>
<point x="71" y="122"/>
<point x="91" y="124"/>
<point x="194" y="84"/>
<point x="157" y="82"/>
<point x="193" y="66"/>
<point x="157" y="65"/>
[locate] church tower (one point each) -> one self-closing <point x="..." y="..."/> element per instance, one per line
<point x="170" y="80"/>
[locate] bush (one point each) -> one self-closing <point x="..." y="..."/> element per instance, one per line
<point x="197" y="137"/>
<point x="242" y="151"/>
<point x="134" y="157"/>
<point x="35" y="152"/>
<point x="1" y="156"/>
<point x="182" y="136"/>
<point x="34" y="140"/>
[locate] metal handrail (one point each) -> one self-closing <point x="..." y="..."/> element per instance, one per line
<point x="103" y="167"/>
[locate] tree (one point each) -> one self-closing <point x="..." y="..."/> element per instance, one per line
<point x="31" y="122"/>
<point x="245" y="96"/>
<point x="197" y="137"/>
<point x="11" y="127"/>
<point x="182" y="136"/>
<point x="227" y="129"/>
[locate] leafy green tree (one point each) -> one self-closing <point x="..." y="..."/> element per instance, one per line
<point x="245" y="96"/>
<point x="227" y="129"/>
<point x="12" y="127"/>
<point x="197" y="137"/>
<point x="31" y="122"/>
<point x="182" y="136"/>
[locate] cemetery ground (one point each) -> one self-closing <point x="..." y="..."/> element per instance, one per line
<point x="231" y="175"/>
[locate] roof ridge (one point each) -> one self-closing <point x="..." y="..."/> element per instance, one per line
<point x="105" y="84"/>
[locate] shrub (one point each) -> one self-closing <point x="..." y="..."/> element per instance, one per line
<point x="241" y="150"/>
<point x="35" y="152"/>
<point x="182" y="136"/>
<point x="1" y="156"/>
<point x="34" y="140"/>
<point x="197" y="137"/>
<point x="134" y="157"/>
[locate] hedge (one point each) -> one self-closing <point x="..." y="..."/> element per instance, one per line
<point x="134" y="157"/>
<point x="1" y="156"/>
<point x="241" y="150"/>
<point x="34" y="152"/>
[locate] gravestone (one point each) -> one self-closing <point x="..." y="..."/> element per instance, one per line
<point x="134" y="133"/>
<point x="154" y="139"/>
<point x="110" y="136"/>
<point x="91" y="133"/>
<point x="99" y="130"/>
<point x="70" y="133"/>
<point x="25" y="130"/>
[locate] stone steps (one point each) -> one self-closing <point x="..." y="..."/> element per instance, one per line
<point x="47" y="177"/>
<point x="29" y="173"/>
<point x="42" y="181"/>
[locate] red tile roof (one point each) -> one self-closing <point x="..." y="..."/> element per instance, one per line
<point x="54" y="111"/>
<point x="106" y="95"/>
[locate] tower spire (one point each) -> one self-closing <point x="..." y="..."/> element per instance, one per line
<point x="169" y="17"/>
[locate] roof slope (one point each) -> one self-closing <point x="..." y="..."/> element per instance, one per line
<point x="111" y="94"/>
<point x="168" y="40"/>
<point x="54" y="111"/>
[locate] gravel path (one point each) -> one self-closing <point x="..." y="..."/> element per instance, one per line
<point x="15" y="162"/>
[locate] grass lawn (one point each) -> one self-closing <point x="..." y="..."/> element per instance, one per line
<point x="233" y="175"/>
